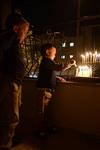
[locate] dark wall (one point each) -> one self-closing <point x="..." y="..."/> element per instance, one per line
<point x="5" y="10"/>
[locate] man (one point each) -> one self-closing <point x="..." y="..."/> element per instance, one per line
<point x="12" y="70"/>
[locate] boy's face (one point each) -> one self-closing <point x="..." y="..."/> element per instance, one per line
<point x="51" y="53"/>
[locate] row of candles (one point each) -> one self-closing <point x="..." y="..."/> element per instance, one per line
<point x="90" y="57"/>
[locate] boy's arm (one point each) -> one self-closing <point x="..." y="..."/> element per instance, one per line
<point x="61" y="79"/>
<point x="69" y="65"/>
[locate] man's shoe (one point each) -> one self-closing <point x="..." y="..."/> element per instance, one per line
<point x="52" y="130"/>
<point x="4" y="148"/>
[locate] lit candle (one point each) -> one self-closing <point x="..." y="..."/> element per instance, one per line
<point x="87" y="57"/>
<point x="83" y="58"/>
<point x="98" y="57"/>
<point x="93" y="57"/>
<point x="90" y="54"/>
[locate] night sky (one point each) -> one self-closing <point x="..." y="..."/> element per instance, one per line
<point x="50" y="12"/>
<point x="45" y="11"/>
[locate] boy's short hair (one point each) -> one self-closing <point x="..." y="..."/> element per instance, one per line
<point x="15" y="19"/>
<point x="45" y="47"/>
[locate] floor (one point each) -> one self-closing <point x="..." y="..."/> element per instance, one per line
<point x="61" y="140"/>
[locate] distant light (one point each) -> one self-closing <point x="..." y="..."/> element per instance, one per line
<point x="84" y="71"/>
<point x="30" y="76"/>
<point x="56" y="33"/>
<point x="71" y="56"/>
<point x="63" y="57"/>
<point x="64" y="44"/>
<point x="33" y="76"/>
<point x="71" y="44"/>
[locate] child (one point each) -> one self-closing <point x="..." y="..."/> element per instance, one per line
<point x="46" y="83"/>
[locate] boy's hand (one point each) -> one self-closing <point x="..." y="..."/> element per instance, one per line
<point x="70" y="64"/>
<point x="62" y="80"/>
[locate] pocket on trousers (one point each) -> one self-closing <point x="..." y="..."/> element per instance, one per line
<point x="15" y="87"/>
<point x="48" y="95"/>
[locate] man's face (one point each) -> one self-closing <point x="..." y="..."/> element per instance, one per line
<point x="22" y="32"/>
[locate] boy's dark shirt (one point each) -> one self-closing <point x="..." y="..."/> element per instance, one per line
<point x="12" y="66"/>
<point x="47" y="73"/>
